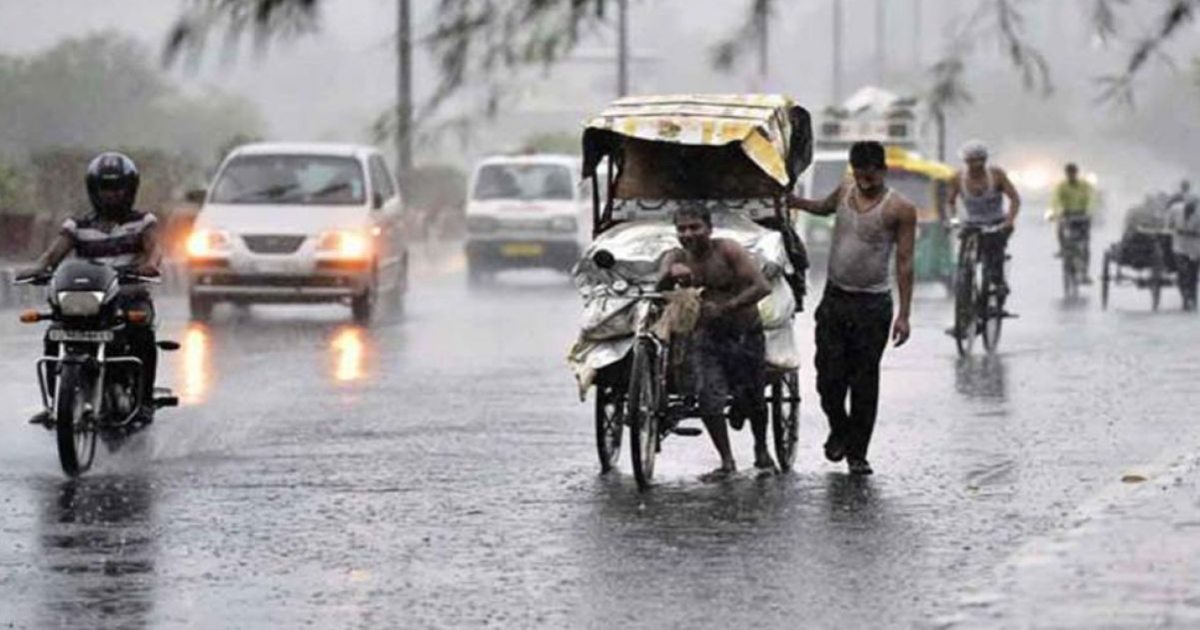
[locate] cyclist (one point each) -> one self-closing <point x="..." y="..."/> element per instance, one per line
<point x="982" y="189"/>
<point x="1073" y="201"/>
<point x="1185" y="242"/>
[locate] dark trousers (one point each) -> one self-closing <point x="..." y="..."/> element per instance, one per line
<point x="852" y="332"/>
<point x="1188" y="272"/>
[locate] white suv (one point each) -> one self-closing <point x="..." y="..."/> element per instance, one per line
<point x="299" y="223"/>
<point x="525" y="211"/>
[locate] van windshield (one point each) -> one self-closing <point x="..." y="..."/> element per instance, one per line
<point x="524" y="182"/>
<point x="291" y="179"/>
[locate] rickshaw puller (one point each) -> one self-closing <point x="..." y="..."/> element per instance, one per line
<point x="729" y="349"/>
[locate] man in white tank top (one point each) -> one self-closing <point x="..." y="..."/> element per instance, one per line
<point x="983" y="189"/>
<point x="855" y="315"/>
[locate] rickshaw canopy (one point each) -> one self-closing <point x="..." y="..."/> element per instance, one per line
<point x="701" y="145"/>
<point x="904" y="160"/>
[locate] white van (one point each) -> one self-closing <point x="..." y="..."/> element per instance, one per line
<point x="299" y="223"/>
<point x="525" y="211"/>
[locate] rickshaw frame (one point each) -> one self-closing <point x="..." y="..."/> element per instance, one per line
<point x="659" y="409"/>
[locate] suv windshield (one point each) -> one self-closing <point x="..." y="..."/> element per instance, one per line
<point x="292" y="179"/>
<point x="524" y="182"/>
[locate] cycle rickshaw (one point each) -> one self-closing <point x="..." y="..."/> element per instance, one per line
<point x="738" y="155"/>
<point x="1142" y="258"/>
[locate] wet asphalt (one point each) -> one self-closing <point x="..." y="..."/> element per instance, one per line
<point x="437" y="470"/>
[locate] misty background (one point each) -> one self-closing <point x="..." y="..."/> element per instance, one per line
<point x="334" y="84"/>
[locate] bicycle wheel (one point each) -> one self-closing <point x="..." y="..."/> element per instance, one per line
<point x="991" y="315"/>
<point x="642" y="410"/>
<point x="76" y="436"/>
<point x="1070" y="273"/>
<point x="785" y="417"/>
<point x="965" y="321"/>
<point x="610" y="424"/>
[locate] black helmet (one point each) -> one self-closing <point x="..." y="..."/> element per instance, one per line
<point x="115" y="172"/>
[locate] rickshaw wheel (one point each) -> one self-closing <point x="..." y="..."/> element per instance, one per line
<point x="785" y="417"/>
<point x="1105" y="279"/>
<point x="642" y="410"/>
<point x="610" y="423"/>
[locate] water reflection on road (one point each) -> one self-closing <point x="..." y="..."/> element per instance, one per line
<point x="97" y="537"/>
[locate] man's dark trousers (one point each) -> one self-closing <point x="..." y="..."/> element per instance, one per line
<point x="852" y="332"/>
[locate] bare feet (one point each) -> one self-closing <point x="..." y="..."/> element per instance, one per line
<point x="763" y="461"/>
<point x="720" y="474"/>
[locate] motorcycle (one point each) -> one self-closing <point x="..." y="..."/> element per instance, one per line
<point x="92" y="386"/>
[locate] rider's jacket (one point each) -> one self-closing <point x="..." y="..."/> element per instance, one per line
<point x="117" y="243"/>
<point x="1072" y="199"/>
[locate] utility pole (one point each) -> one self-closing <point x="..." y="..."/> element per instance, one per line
<point x="880" y="49"/>
<point x="764" y="48"/>
<point x="404" y="102"/>
<point x="622" y="47"/>
<point x="837" y="51"/>
<point x="918" y="16"/>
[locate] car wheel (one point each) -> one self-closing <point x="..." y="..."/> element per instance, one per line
<point x="201" y="308"/>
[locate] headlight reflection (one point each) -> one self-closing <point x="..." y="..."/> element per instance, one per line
<point x="196" y="364"/>
<point x="349" y="352"/>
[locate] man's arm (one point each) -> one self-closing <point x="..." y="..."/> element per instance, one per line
<point x="670" y="271"/>
<point x="952" y="196"/>
<point x="906" y="234"/>
<point x="749" y="275"/>
<point x="59" y="249"/>
<point x="146" y="263"/>
<point x="820" y="207"/>
<point x="1014" y="198"/>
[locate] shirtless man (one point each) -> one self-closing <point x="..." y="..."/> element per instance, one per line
<point x="855" y="314"/>
<point x="729" y="348"/>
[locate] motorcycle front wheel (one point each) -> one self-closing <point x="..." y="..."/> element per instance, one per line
<point x="75" y="430"/>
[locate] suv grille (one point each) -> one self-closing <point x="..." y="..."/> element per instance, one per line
<point x="273" y="243"/>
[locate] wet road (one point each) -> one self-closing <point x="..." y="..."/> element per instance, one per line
<point x="440" y="472"/>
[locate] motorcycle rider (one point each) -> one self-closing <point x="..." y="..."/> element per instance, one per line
<point x="116" y="234"/>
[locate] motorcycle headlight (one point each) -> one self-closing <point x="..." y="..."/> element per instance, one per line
<point x="80" y="303"/>
<point x="564" y="224"/>
<point x="207" y="243"/>
<point x="345" y="244"/>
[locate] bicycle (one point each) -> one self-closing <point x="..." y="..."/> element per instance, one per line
<point x="1076" y="233"/>
<point x="978" y="298"/>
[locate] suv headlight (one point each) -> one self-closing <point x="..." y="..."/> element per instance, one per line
<point x="345" y="244"/>
<point x="80" y="303"/>
<point x="205" y="243"/>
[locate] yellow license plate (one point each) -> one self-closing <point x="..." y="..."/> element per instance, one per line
<point x="522" y="250"/>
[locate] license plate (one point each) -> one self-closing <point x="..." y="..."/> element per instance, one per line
<point x="81" y="336"/>
<point x="522" y="250"/>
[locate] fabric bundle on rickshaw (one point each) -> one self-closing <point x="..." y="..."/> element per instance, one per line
<point x="606" y="325"/>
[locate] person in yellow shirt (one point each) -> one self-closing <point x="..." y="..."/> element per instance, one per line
<point x="1073" y="202"/>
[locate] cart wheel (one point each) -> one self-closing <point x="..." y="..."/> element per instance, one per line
<point x="785" y="417"/>
<point x="965" y="318"/>
<point x="642" y="411"/>
<point x="610" y="423"/>
<point x="1105" y="279"/>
